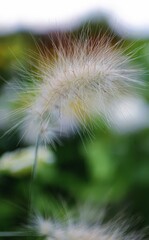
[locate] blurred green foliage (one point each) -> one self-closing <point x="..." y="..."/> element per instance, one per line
<point x="110" y="169"/>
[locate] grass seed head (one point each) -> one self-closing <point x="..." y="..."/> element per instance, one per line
<point x="75" y="228"/>
<point x="76" y="84"/>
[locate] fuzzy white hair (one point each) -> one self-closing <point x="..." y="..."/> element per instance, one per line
<point x="76" y="228"/>
<point x="76" y="84"/>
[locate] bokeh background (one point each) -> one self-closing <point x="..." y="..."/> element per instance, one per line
<point x="110" y="169"/>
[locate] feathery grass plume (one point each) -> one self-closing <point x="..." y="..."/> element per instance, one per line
<point x="80" y="224"/>
<point x="74" y="84"/>
<point x="76" y="227"/>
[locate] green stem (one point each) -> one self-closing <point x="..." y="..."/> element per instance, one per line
<point x="13" y="234"/>
<point x="34" y="170"/>
<point x="35" y="159"/>
<point x="17" y="234"/>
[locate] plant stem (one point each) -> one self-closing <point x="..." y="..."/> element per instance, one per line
<point x="34" y="170"/>
<point x="35" y="159"/>
<point x="17" y="234"/>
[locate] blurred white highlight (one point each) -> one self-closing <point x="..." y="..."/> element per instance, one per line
<point x="21" y="160"/>
<point x="130" y="115"/>
<point x="126" y="16"/>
